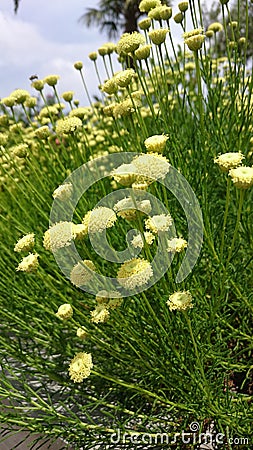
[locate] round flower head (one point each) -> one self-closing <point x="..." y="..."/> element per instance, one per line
<point x="80" y="367"/>
<point x="183" y="6"/>
<point x="38" y="85"/>
<point x="42" y="132"/>
<point x="156" y="143"/>
<point x="124" y="77"/>
<point x="101" y="218"/>
<point x="68" y="96"/>
<point x="161" y="222"/>
<point x="51" y="80"/>
<point x="144" y="24"/>
<point x="158" y="36"/>
<point x="20" y="95"/>
<point x="25" y="244"/>
<point x="68" y="125"/>
<point x="242" y="177"/>
<point x="29" y="264"/>
<point x="127" y="208"/>
<point x="138" y="241"/>
<point x="215" y="27"/>
<point x="147" y="5"/>
<point x="93" y="56"/>
<point x="19" y="150"/>
<point x="153" y="166"/>
<point x="228" y="161"/>
<point x="64" y="312"/>
<point x="58" y="236"/>
<point x="100" y="314"/>
<point x="143" y="52"/>
<point x="110" y="87"/>
<point x="178" y="18"/>
<point x="125" y="174"/>
<point x="195" y="42"/>
<point x="180" y="300"/>
<point x="63" y="192"/>
<point x="135" y="272"/>
<point x="82" y="273"/>
<point x="81" y="333"/>
<point x="8" y="101"/>
<point x="176" y="245"/>
<point x="129" y="42"/>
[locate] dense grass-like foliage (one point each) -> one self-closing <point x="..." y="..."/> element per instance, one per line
<point x="155" y="369"/>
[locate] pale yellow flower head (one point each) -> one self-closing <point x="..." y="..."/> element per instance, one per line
<point x="25" y="244"/>
<point x="129" y="42"/>
<point x="124" y="77"/>
<point x="29" y="264"/>
<point x="68" y="96"/>
<point x="161" y="222"/>
<point x="20" y="95"/>
<point x="183" y="6"/>
<point x="242" y="177"/>
<point x="194" y="43"/>
<point x="81" y="333"/>
<point x="80" y="367"/>
<point x="138" y="241"/>
<point x="228" y="161"/>
<point x="100" y="219"/>
<point x="100" y="314"/>
<point x="68" y="125"/>
<point x="144" y="24"/>
<point x="152" y="166"/>
<point x="180" y="300"/>
<point x="147" y="5"/>
<point x="63" y="192"/>
<point x="156" y="143"/>
<point x="133" y="273"/>
<point x="124" y="174"/>
<point x="64" y="312"/>
<point x="51" y="80"/>
<point x="82" y="273"/>
<point x="176" y="245"/>
<point x="58" y="236"/>
<point x="158" y="36"/>
<point x="215" y="27"/>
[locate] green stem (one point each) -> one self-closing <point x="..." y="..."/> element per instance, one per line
<point x="238" y="219"/>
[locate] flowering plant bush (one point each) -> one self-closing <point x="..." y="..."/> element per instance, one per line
<point x="114" y="314"/>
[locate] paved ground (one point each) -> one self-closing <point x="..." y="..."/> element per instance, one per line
<point x="15" y="442"/>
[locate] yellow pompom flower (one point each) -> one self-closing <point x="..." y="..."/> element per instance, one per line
<point x="161" y="222"/>
<point x="228" y="161"/>
<point x="29" y="264"/>
<point x="158" y="36"/>
<point x="152" y="166"/>
<point x="64" y="312"/>
<point x="81" y="333"/>
<point x="100" y="314"/>
<point x="242" y="177"/>
<point x="63" y="192"/>
<point x="129" y="42"/>
<point x="147" y="5"/>
<point x="20" y="95"/>
<point x="100" y="219"/>
<point x="180" y="300"/>
<point x="82" y="273"/>
<point x="68" y="125"/>
<point x="176" y="245"/>
<point x="51" y="80"/>
<point x="133" y="273"/>
<point x="80" y="367"/>
<point x="156" y="143"/>
<point x="25" y="244"/>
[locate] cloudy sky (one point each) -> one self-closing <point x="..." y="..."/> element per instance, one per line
<point x="46" y="38"/>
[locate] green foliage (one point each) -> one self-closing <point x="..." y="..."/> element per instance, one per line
<point x="154" y="370"/>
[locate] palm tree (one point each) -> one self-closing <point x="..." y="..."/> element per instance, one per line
<point x="114" y="16"/>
